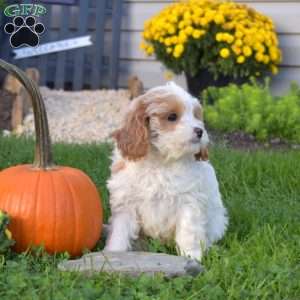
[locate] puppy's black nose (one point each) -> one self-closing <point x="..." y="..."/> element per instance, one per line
<point x="198" y="131"/>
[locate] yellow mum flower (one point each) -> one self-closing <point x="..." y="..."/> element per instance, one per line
<point x="187" y="23"/>
<point x="238" y="43"/>
<point x="224" y="52"/>
<point x="146" y="35"/>
<point x="239" y="34"/>
<point x="8" y="234"/>
<point x="236" y="50"/>
<point x="178" y="50"/>
<point x="219" y="19"/>
<point x="247" y="51"/>
<point x="241" y="59"/>
<point x="182" y="37"/>
<point x="274" y="53"/>
<point x="204" y="22"/>
<point x="197" y="33"/>
<point x="268" y="42"/>
<point x="274" y="39"/>
<point x="169" y="50"/>
<point x="168" y="41"/>
<point x="210" y="14"/>
<point x="189" y="30"/>
<point x="247" y="40"/>
<point x="143" y="46"/>
<point x="280" y="56"/>
<point x="196" y="20"/>
<point x="266" y="59"/>
<point x="274" y="56"/>
<point x="274" y="69"/>
<point x="174" y="39"/>
<point x="198" y="11"/>
<point x="187" y="16"/>
<point x="260" y="37"/>
<point x="173" y="18"/>
<point x="259" y="47"/>
<point x="171" y="29"/>
<point x="149" y="50"/>
<point x="219" y="37"/>
<point x="181" y="25"/>
<point x="229" y="38"/>
<point x="259" y="57"/>
<point x="156" y="37"/>
<point x="227" y="26"/>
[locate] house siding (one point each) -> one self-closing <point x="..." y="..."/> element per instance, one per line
<point x="286" y="15"/>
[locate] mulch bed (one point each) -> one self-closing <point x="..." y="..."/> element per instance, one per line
<point x="244" y="141"/>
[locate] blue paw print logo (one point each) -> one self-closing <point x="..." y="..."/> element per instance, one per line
<point x="24" y="32"/>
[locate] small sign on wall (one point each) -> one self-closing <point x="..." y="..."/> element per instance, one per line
<point x="52" y="47"/>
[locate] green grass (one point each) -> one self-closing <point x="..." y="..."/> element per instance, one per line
<point x="259" y="258"/>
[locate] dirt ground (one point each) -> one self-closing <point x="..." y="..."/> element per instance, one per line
<point x="244" y="141"/>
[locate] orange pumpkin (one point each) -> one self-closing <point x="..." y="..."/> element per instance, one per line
<point x="54" y="206"/>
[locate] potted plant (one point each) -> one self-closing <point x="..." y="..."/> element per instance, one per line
<point x="212" y="42"/>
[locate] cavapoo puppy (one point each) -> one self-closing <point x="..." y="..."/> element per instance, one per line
<point x="159" y="185"/>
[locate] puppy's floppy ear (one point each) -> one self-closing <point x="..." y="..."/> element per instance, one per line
<point x="133" y="138"/>
<point x="202" y="154"/>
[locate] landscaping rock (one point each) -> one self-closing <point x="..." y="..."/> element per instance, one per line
<point x="83" y="116"/>
<point x="133" y="263"/>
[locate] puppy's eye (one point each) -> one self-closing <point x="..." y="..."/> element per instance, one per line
<point x="172" y="117"/>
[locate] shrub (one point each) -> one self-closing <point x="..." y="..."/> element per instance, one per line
<point x="224" y="37"/>
<point x="253" y="109"/>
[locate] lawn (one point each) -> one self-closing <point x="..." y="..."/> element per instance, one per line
<point x="259" y="258"/>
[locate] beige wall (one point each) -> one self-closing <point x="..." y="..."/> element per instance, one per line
<point x="286" y="15"/>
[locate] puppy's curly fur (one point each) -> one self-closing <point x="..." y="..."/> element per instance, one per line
<point x="161" y="182"/>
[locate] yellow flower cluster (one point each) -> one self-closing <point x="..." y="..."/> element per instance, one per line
<point x="240" y="32"/>
<point x="8" y="234"/>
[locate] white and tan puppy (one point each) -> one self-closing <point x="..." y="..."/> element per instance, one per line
<point x="158" y="184"/>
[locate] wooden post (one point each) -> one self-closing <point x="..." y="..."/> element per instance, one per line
<point x="21" y="100"/>
<point x="135" y="87"/>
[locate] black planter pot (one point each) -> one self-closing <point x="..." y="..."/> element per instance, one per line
<point x="196" y="84"/>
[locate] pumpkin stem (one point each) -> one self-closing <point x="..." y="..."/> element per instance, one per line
<point x="43" y="151"/>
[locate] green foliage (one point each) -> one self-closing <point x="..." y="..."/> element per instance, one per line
<point x="257" y="259"/>
<point x="253" y="109"/>
<point x="5" y="236"/>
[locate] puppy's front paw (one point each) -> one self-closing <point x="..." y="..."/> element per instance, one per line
<point x="194" y="254"/>
<point x="111" y="249"/>
<point x="117" y="245"/>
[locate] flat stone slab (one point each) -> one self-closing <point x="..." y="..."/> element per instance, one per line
<point x="133" y="263"/>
